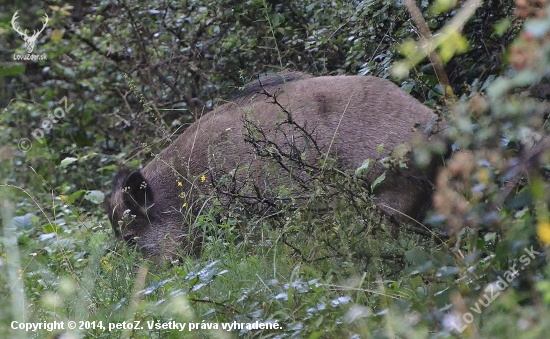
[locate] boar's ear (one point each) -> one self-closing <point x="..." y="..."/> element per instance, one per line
<point x="138" y="195"/>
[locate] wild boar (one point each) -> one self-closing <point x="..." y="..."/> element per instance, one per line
<point x="344" y="117"/>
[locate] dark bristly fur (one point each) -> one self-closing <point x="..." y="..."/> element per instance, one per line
<point x="348" y="116"/>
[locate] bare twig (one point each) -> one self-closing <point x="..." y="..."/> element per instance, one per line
<point x="426" y="34"/>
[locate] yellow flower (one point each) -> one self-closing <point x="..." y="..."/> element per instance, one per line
<point x="179" y="183"/>
<point x="203" y="178"/>
<point x="106" y="264"/>
<point x="20" y="273"/>
<point x="63" y="198"/>
<point x="182" y="195"/>
<point x="543" y="231"/>
<point x="184" y="205"/>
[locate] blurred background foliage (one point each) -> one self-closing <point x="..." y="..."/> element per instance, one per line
<point x="130" y="76"/>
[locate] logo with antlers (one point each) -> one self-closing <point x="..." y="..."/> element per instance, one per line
<point x="30" y="40"/>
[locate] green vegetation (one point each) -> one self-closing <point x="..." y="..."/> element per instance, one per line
<point x="123" y="78"/>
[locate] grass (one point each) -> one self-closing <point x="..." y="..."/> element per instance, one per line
<point x="315" y="275"/>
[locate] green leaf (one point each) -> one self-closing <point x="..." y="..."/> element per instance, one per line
<point x="11" y="69"/>
<point x="417" y="257"/>
<point x="378" y="181"/>
<point x="526" y="78"/>
<point x="74" y="196"/>
<point x="24" y="222"/>
<point x="364" y="166"/>
<point x="95" y="196"/>
<point x="502" y="26"/>
<point x="67" y="161"/>
<point x="50" y="228"/>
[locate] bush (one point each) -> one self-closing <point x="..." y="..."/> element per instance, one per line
<point x="121" y="78"/>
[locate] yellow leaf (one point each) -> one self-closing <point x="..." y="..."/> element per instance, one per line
<point x="543" y="231"/>
<point x="483" y="175"/>
<point x="54" y="8"/>
<point x="56" y="35"/>
<point x="441" y="6"/>
<point x="65" y="13"/>
<point x="408" y="47"/>
<point x="449" y="91"/>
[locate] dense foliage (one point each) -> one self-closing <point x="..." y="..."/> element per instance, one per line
<point x="124" y="78"/>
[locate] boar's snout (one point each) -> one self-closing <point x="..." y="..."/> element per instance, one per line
<point x="139" y="220"/>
